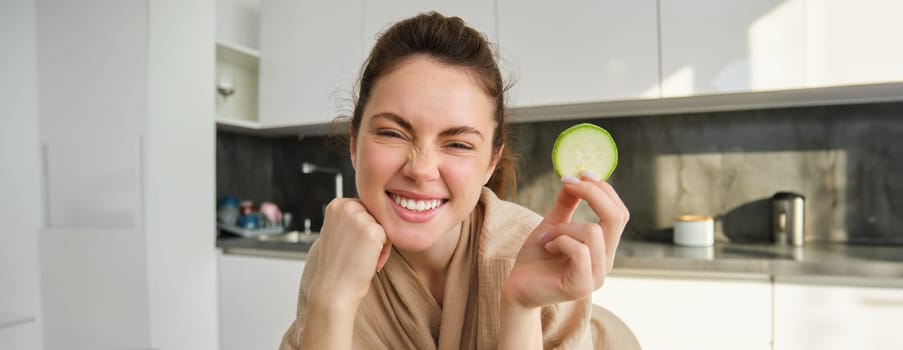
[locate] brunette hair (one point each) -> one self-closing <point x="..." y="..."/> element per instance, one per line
<point x="449" y="41"/>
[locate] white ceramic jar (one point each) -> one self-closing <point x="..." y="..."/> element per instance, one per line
<point x="694" y="231"/>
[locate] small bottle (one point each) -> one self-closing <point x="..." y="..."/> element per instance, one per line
<point x="287" y="220"/>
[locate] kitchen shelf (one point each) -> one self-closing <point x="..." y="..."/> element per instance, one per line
<point x="254" y="128"/>
<point x="237" y="124"/>
<point x="834" y="95"/>
<point x="238" y="54"/>
<point x="239" y="66"/>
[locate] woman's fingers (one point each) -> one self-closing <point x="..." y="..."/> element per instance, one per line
<point x="590" y="235"/>
<point x="576" y="257"/>
<point x="356" y="243"/>
<point x="578" y="280"/>
<point x="613" y="195"/>
<point x="383" y="256"/>
<point x="612" y="216"/>
<point x="602" y="198"/>
<point x="563" y="209"/>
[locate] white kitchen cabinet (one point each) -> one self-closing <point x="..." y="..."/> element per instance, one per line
<point x="95" y="289"/>
<point x="238" y="23"/>
<point x="310" y="53"/>
<point x="578" y="51"/>
<point x="669" y="313"/>
<point x="237" y="62"/>
<point x="20" y="166"/>
<point x="713" y="46"/>
<point x="258" y="299"/>
<point x="237" y="67"/>
<point x="379" y="15"/>
<point x="127" y="257"/>
<point x="103" y="168"/>
<point x="853" y="42"/>
<point x="828" y="317"/>
<point x="93" y="102"/>
<point x="24" y="336"/>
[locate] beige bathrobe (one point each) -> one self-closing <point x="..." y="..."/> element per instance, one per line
<point x="399" y="312"/>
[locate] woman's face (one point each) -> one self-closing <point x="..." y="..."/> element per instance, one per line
<point x="423" y="151"/>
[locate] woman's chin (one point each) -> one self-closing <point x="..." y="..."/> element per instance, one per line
<point x="411" y="240"/>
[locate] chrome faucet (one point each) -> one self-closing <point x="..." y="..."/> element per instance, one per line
<point x="308" y="168"/>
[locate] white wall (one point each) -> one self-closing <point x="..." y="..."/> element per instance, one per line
<point x="180" y="174"/>
<point x="20" y="179"/>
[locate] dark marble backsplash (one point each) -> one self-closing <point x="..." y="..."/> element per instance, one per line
<point x="846" y="160"/>
<point x="258" y="169"/>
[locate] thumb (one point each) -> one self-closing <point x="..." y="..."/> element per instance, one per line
<point x="563" y="209"/>
<point x="383" y="256"/>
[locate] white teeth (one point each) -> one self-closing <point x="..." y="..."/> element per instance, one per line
<point x="415" y="205"/>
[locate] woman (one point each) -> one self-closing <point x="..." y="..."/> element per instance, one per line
<point x="428" y="257"/>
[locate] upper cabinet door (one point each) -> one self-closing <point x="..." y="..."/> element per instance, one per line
<point x="379" y="15"/>
<point x="238" y="22"/>
<point x="715" y="46"/>
<point x="93" y="107"/>
<point x="578" y="51"/>
<point x="853" y="42"/>
<point x="310" y="53"/>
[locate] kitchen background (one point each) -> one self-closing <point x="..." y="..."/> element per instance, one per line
<point x="845" y="160"/>
<point x="124" y="120"/>
<point x="269" y="169"/>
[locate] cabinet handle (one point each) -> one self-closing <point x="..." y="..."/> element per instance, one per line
<point x="142" y="187"/>
<point x="45" y="179"/>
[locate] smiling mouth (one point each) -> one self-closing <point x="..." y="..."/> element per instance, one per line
<point x="416" y="205"/>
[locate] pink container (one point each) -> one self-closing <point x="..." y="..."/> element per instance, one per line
<point x="271" y="212"/>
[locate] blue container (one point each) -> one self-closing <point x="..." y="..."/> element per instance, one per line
<point x="227" y="202"/>
<point x="249" y="221"/>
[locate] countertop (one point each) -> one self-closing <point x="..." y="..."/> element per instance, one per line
<point x="256" y="247"/>
<point x="814" y="263"/>
<point x="851" y="264"/>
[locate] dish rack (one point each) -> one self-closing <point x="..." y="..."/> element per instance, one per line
<point x="245" y="232"/>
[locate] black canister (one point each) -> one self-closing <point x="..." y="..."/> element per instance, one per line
<point x="787" y="217"/>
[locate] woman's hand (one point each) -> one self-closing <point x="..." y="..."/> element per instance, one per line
<point x="563" y="261"/>
<point x="353" y="247"/>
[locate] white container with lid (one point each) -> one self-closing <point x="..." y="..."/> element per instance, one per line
<point x="694" y="231"/>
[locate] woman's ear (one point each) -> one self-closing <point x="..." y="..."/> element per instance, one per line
<point x="493" y="163"/>
<point x="352" y="150"/>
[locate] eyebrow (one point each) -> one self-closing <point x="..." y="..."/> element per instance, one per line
<point x="458" y="130"/>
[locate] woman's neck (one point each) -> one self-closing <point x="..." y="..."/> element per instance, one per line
<point x="431" y="265"/>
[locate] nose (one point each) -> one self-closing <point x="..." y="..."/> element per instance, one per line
<point x="422" y="166"/>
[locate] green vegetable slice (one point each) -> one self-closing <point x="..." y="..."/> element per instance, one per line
<point x="583" y="147"/>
